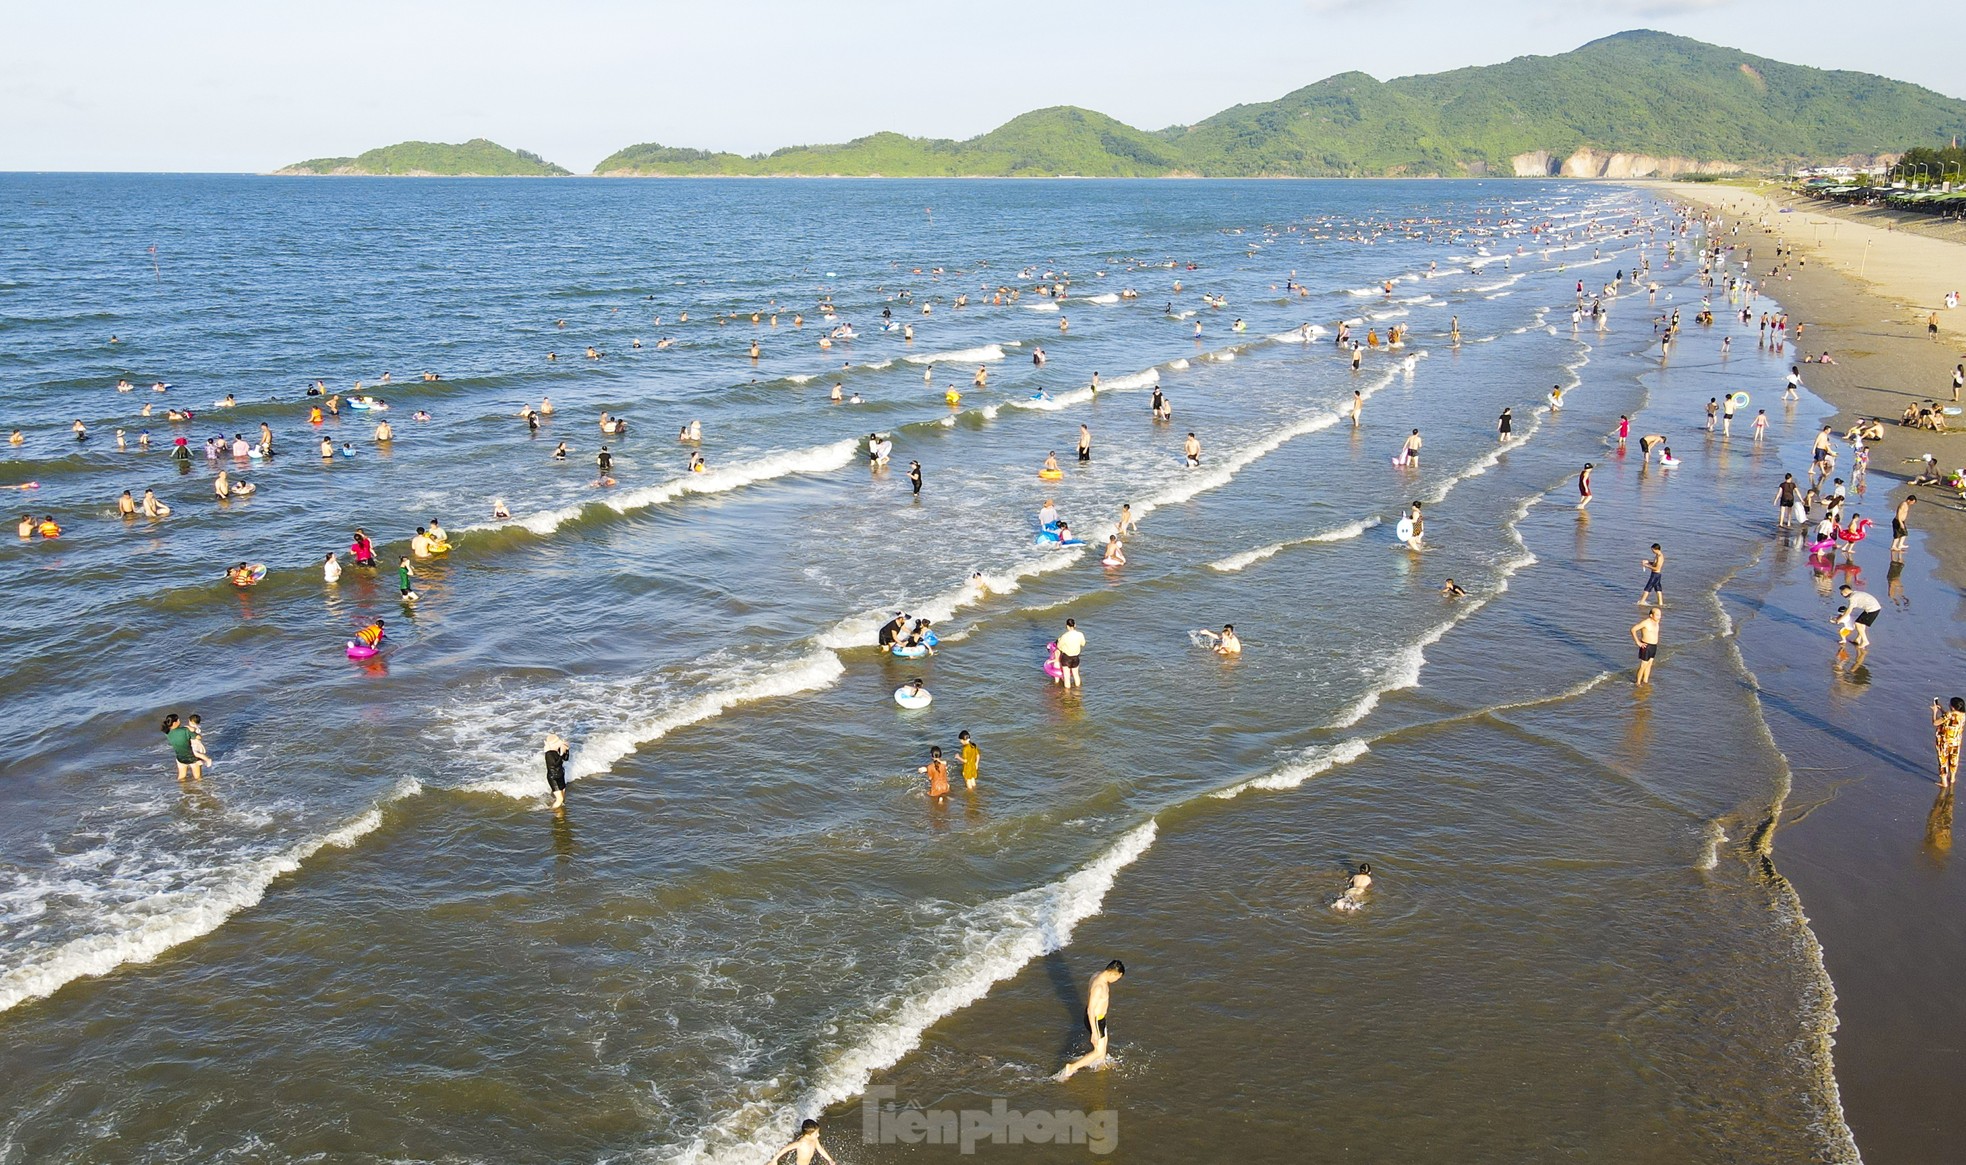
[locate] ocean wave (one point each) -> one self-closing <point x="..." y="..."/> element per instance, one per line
<point x="817" y="459"/>
<point x="1312" y="762"/>
<point x="990" y="943"/>
<point x="139" y="931"/>
<point x="1349" y="530"/>
<point x="1108" y="297"/>
<point x="983" y="355"/>
<point x="647" y="719"/>
<point x="1043" y="305"/>
<point x="862" y="629"/>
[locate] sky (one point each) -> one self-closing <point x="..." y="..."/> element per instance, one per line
<point x="229" y="85"/>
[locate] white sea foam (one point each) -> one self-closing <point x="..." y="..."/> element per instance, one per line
<point x="1313" y="762"/>
<point x="639" y="720"/>
<point x="1178" y="364"/>
<point x="983" y="946"/>
<point x="1300" y="336"/>
<point x="860" y="630"/>
<point x="1042" y="305"/>
<point x="1052" y="404"/>
<point x="1108" y="297"/>
<point x="1349" y="530"/>
<point x="986" y="354"/>
<point x="818" y="459"/>
<point x="140" y="930"/>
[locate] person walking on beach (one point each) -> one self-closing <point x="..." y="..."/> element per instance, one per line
<point x="1958" y="381"/>
<point x="1584" y="485"/>
<point x="1863" y="610"/>
<point x="1948" y="722"/>
<point x="1727" y="417"/>
<point x="1645" y="634"/>
<point x="1624" y="430"/>
<point x="178" y="735"/>
<point x="558" y="752"/>
<point x="1098" y="999"/>
<point x="1901" y="526"/>
<point x="804" y="1147"/>
<point x="1504" y="426"/>
<point x="1787" y="496"/>
<point x="1791" y="391"/>
<point x="1071" y="645"/>
<point x="1358" y="406"/>
<point x="1760" y="425"/>
<point x="1655" y="584"/>
<point x="1713" y="410"/>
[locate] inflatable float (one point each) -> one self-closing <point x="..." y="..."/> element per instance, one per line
<point x="907" y="652"/>
<point x="1404" y="530"/>
<point x="362" y="650"/>
<point x="1051" y="474"/>
<point x="1109" y="561"/>
<point x="1051" y="667"/>
<point x="254" y="573"/>
<point x="1739" y="400"/>
<point x="908" y="697"/>
<point x="1855" y="532"/>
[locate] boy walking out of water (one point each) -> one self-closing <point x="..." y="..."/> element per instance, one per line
<point x="1645" y="634"/>
<point x="557" y="752"/>
<point x="1900" y="527"/>
<point x="1097" y="998"/>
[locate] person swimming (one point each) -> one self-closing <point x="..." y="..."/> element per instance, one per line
<point x="1355" y="887"/>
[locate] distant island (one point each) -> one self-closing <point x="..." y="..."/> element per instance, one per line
<point x="476" y="158"/>
<point x="1634" y="105"/>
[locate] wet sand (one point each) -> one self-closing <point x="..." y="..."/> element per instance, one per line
<point x="1865" y="838"/>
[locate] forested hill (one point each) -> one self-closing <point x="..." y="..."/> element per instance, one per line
<point x="476" y="158"/>
<point x="1629" y="105"/>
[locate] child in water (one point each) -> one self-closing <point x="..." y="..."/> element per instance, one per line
<point x="1355" y="888"/>
<point x="938" y="774"/>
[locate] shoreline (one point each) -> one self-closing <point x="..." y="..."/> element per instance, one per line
<point x="1857" y="742"/>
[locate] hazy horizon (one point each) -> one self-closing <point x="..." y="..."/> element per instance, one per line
<point x="225" y="86"/>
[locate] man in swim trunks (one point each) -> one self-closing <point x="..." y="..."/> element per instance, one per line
<point x="1864" y="609"/>
<point x="1649" y="442"/>
<point x="1071" y="645"/>
<point x="1654" y="584"/>
<point x="1191" y="448"/>
<point x="1409" y="453"/>
<point x="1645" y="635"/>
<point x="1098" y="998"/>
<point x="558" y="751"/>
<point x="1085" y="444"/>
<point x="1900" y="527"/>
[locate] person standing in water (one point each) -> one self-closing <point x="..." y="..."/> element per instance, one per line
<point x="1645" y="635"/>
<point x="1505" y="426"/>
<point x="178" y="736"/>
<point x="1901" y="527"/>
<point x="972" y="757"/>
<point x="1191" y="449"/>
<point x="1948" y="723"/>
<point x="1071" y="646"/>
<point x="804" y="1147"/>
<point x="937" y="771"/>
<point x="1409" y="453"/>
<point x="558" y="752"/>
<point x="1584" y="485"/>
<point x="1085" y="444"/>
<point x="915" y="477"/>
<point x="1358" y="406"/>
<point x="1098" y="1000"/>
<point x="1655" y="584"/>
<point x="404" y="573"/>
<point x="331" y="568"/>
<point x="1864" y="609"/>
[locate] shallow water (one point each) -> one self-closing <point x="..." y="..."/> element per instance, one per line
<point x="364" y="939"/>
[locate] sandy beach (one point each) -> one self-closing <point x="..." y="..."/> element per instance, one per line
<point x="1863" y="839"/>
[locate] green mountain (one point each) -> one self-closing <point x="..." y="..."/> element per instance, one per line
<point x="1629" y="105"/>
<point x="476" y="158"/>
